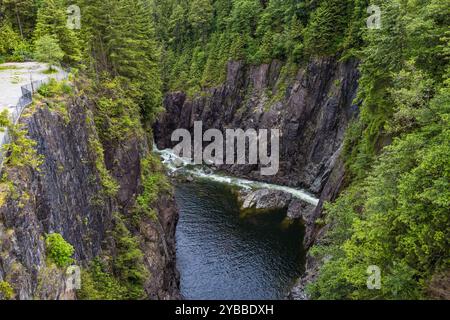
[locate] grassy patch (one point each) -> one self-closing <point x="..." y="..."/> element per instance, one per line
<point x="50" y="71"/>
<point x="2" y="68"/>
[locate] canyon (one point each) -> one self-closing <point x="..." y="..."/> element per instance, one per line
<point x="312" y="113"/>
<point x="66" y="195"/>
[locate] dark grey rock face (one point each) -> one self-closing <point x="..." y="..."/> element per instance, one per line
<point x="66" y="196"/>
<point x="267" y="200"/>
<point x="312" y="114"/>
<point x="314" y="233"/>
<point x="70" y="195"/>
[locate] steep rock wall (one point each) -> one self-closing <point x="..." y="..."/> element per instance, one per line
<point x="312" y="111"/>
<point x="66" y="195"/>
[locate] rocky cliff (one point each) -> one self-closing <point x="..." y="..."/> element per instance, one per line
<point x="67" y="194"/>
<point x="312" y="109"/>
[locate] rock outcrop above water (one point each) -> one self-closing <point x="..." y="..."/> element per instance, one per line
<point x="67" y="195"/>
<point x="266" y="199"/>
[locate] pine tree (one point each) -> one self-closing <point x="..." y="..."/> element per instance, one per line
<point x="21" y="14"/>
<point x="121" y="40"/>
<point x="51" y="21"/>
<point x="47" y="50"/>
<point x="327" y="27"/>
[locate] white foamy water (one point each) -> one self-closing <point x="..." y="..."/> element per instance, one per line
<point x="175" y="163"/>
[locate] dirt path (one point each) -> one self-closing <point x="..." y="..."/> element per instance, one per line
<point x="14" y="75"/>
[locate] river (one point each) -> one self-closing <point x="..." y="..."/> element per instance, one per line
<point x="224" y="255"/>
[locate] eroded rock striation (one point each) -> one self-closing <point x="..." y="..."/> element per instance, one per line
<point x="67" y="195"/>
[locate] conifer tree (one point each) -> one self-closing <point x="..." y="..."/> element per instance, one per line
<point x="52" y="21"/>
<point x="327" y="27"/>
<point x="121" y="40"/>
<point x="21" y="14"/>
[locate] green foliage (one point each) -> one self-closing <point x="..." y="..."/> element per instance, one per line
<point x="397" y="219"/>
<point x="51" y="22"/>
<point x="59" y="251"/>
<point x="97" y="283"/>
<point x="46" y="49"/>
<point x="117" y="115"/>
<point x="327" y="27"/>
<point x="394" y="214"/>
<point x="122" y="44"/>
<point x="4" y="120"/>
<point x="121" y="278"/>
<point x="54" y="89"/>
<point x="9" y="40"/>
<point x="199" y="43"/>
<point x="154" y="183"/>
<point x="12" y="47"/>
<point x="21" y="14"/>
<point x="6" y="291"/>
<point x="200" y="15"/>
<point x="128" y="263"/>
<point x="109" y="185"/>
<point x="198" y="48"/>
<point x="21" y="149"/>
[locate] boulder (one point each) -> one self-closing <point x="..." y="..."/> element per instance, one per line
<point x="267" y="199"/>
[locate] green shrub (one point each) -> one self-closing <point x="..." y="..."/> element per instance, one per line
<point x="54" y="88"/>
<point x="59" y="250"/>
<point x="6" y="291"/>
<point x="22" y="52"/>
<point x="22" y="150"/>
<point x="154" y="183"/>
<point x="128" y="264"/>
<point x="9" y="40"/>
<point x="99" y="284"/>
